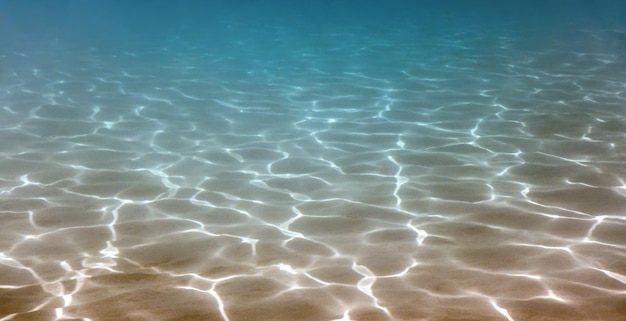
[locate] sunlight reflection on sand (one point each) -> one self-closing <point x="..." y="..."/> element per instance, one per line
<point x="471" y="186"/>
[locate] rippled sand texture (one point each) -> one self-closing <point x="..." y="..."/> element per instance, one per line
<point x="351" y="178"/>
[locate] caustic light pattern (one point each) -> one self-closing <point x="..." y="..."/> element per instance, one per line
<point x="401" y="182"/>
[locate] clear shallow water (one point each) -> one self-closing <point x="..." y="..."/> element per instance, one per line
<point x="277" y="169"/>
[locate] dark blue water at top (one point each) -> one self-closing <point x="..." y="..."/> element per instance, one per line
<point x="119" y="22"/>
<point x="254" y="35"/>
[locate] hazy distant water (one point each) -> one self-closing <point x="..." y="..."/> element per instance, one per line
<point x="333" y="161"/>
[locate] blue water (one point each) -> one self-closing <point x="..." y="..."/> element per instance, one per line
<point x="312" y="160"/>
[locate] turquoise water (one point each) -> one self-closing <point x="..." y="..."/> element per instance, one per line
<point x="453" y="160"/>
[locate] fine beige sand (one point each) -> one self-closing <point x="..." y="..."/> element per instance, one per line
<point x="476" y="185"/>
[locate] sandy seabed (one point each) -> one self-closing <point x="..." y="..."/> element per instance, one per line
<point x="385" y="181"/>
